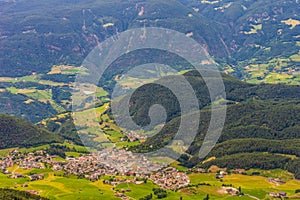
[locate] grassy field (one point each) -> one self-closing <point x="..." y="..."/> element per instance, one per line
<point x="257" y="186"/>
<point x="277" y="70"/>
<point x="37" y="95"/>
<point x="275" y="173"/>
<point x="55" y="187"/>
<point x="67" y="69"/>
<point x="4" y="152"/>
<point x="192" y="193"/>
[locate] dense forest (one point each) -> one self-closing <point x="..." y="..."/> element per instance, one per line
<point x="263" y="161"/>
<point x="289" y="146"/>
<point x="260" y="119"/>
<point x="254" y="111"/>
<point x="16" y="132"/>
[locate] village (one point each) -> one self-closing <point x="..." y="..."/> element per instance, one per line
<point x="93" y="166"/>
<point x="170" y="179"/>
<point x="120" y="165"/>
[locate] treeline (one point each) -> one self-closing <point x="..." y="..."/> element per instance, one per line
<point x="272" y="120"/>
<point x="290" y="147"/>
<point x="60" y="149"/>
<point x="16" y="132"/>
<point x="61" y="78"/>
<point x="265" y="161"/>
<point x="294" y="167"/>
<point x="9" y="194"/>
<point x="263" y="111"/>
<point x="250" y="160"/>
<point x="24" y="84"/>
<point x="61" y="93"/>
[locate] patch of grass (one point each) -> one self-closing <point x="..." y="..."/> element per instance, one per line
<point x="257" y="186"/>
<point x="137" y="191"/>
<point x="76" y="147"/>
<point x="254" y="29"/>
<point x="291" y="22"/>
<point x="57" y="187"/>
<point x="178" y="167"/>
<point x="275" y="173"/>
<point x="31" y="149"/>
<point x="4" y="152"/>
<point x="73" y="154"/>
<point x="295" y="58"/>
<point x="114" y="136"/>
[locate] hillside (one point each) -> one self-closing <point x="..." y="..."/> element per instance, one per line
<point x="16" y="132"/>
<point x="265" y="118"/>
<point x="20" y="195"/>
<point x="253" y="40"/>
<point x="64" y="140"/>
<point x="245" y="36"/>
<point x="244" y="100"/>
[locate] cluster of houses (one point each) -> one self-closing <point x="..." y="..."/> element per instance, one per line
<point x="93" y="166"/>
<point x="86" y="166"/>
<point x="117" y="181"/>
<point x="36" y="160"/>
<point x="33" y="177"/>
<point x="278" y="194"/>
<point x="170" y="179"/>
<point x="127" y="163"/>
<point x="276" y="181"/>
<point x="108" y="162"/>
<point x="229" y="190"/>
<point x="25" y="161"/>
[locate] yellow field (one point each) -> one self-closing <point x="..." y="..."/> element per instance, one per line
<point x="291" y="22"/>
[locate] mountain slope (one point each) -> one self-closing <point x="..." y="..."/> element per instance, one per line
<point x="48" y="33"/>
<point x="16" y="132"/>
<point x="255" y="113"/>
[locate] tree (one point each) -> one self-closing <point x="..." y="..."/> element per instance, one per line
<point x="207" y="197"/>
<point x="240" y="190"/>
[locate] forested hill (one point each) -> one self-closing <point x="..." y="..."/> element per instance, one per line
<point x="16" y="132"/>
<point x="240" y="96"/>
<point x="265" y="118"/>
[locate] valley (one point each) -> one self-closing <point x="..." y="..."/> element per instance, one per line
<point x="238" y="161"/>
<point x="52" y="148"/>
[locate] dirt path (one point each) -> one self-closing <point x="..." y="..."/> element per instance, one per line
<point x="253" y="197"/>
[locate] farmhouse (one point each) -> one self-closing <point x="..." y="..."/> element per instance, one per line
<point x="16" y="176"/>
<point x="36" y="177"/>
